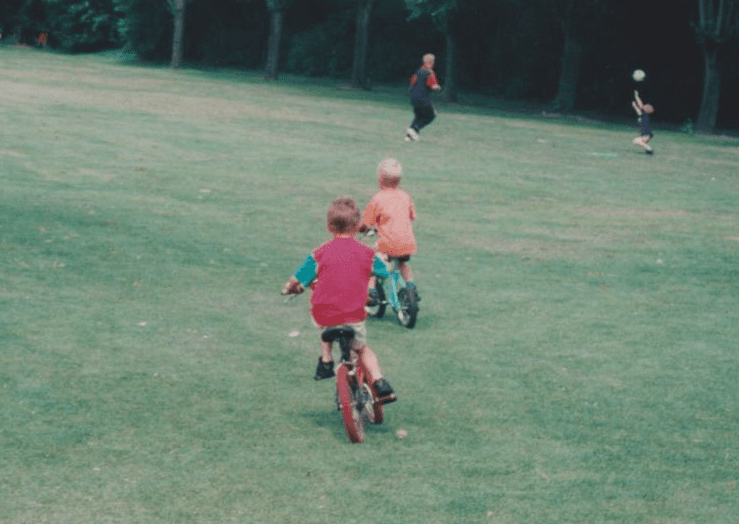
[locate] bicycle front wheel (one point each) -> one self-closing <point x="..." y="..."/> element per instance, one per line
<point x="371" y="408"/>
<point x="408" y="312"/>
<point x="352" y="418"/>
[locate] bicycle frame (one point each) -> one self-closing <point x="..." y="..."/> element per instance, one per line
<point x="395" y="282"/>
<point x="354" y="396"/>
<point x="392" y="290"/>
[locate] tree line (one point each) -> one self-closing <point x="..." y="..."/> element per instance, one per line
<point x="573" y="54"/>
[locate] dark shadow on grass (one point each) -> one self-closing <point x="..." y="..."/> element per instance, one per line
<point x="331" y="419"/>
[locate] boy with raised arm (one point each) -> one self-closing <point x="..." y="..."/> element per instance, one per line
<point x="643" y="111"/>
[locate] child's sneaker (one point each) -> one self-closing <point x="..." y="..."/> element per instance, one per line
<point x="324" y="370"/>
<point x="650" y="151"/>
<point x="412" y="134"/>
<point x="374" y="298"/>
<point x="384" y="392"/>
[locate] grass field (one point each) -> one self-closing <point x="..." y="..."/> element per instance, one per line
<point x="575" y="358"/>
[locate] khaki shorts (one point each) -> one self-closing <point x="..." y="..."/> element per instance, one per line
<point x="360" y="332"/>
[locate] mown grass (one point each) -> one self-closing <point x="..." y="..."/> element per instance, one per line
<point x="574" y="360"/>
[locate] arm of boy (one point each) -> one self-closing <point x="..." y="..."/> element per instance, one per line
<point x="637" y="103"/>
<point x="304" y="275"/>
<point x="369" y="217"/>
<point x="433" y="82"/>
<point x="292" y="287"/>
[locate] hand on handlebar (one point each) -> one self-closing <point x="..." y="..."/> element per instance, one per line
<point x="292" y="287"/>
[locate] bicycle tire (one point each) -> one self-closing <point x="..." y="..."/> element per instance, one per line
<point x="408" y="312"/>
<point x="352" y="418"/>
<point x="378" y="311"/>
<point x="371" y="408"/>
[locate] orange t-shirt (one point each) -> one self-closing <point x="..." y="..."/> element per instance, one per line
<point x="391" y="211"/>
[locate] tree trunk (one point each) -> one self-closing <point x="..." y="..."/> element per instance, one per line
<point x="449" y="91"/>
<point x="20" y="21"/>
<point x="708" y="113"/>
<point x="179" y="34"/>
<point x="569" y="67"/>
<point x="569" y="75"/>
<point x="273" y="46"/>
<point x="359" y="75"/>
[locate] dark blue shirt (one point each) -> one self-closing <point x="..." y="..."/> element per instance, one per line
<point x="644" y="126"/>
<point x="419" y="90"/>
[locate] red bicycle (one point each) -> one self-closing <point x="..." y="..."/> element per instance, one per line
<point x="355" y="397"/>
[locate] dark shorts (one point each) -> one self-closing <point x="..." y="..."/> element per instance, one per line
<point x="404" y="258"/>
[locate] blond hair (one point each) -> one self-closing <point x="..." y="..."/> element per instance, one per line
<point x="343" y="216"/>
<point x="428" y="58"/>
<point x="389" y="172"/>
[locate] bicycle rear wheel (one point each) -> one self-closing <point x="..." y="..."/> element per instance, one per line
<point x="408" y="312"/>
<point x="352" y="418"/>
<point x="378" y="311"/>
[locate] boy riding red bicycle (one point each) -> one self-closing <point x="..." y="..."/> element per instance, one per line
<point x="340" y="270"/>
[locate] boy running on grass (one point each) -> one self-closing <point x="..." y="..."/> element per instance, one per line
<point x="341" y="269"/>
<point x="391" y="212"/>
<point x="643" y="111"/>
<point x="419" y="85"/>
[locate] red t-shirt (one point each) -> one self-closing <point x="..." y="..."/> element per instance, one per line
<point x="344" y="268"/>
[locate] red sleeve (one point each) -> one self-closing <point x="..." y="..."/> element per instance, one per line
<point x="431" y="80"/>
<point x="412" y="80"/>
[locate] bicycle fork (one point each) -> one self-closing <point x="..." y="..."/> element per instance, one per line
<point x="394" y="288"/>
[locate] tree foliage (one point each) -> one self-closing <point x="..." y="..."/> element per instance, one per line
<point x="578" y="52"/>
<point x="83" y="25"/>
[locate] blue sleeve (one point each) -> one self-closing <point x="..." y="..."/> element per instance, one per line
<point x="379" y="269"/>
<point x="307" y="271"/>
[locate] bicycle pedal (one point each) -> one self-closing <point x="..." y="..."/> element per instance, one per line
<point x="387" y="399"/>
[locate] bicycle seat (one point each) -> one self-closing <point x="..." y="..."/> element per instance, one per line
<point x="331" y="334"/>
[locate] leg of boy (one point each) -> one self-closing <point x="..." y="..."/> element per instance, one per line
<point x="382" y="387"/>
<point x="430" y="115"/>
<point x="325" y="367"/>
<point x="370" y="362"/>
<point x="643" y="141"/>
<point x="407" y="274"/>
<point x="326" y="353"/>
<point x="405" y="271"/>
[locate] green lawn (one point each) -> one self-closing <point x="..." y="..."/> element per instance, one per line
<point x="575" y="358"/>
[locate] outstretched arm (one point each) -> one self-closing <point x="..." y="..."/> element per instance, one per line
<point x="292" y="287"/>
<point x="638" y="100"/>
<point x="305" y="274"/>
<point x="433" y="82"/>
<point x="637" y="103"/>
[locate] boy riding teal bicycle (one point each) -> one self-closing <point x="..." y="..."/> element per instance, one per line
<point x="391" y="212"/>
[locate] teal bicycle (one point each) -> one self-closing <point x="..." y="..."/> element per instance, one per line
<point x="394" y="292"/>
